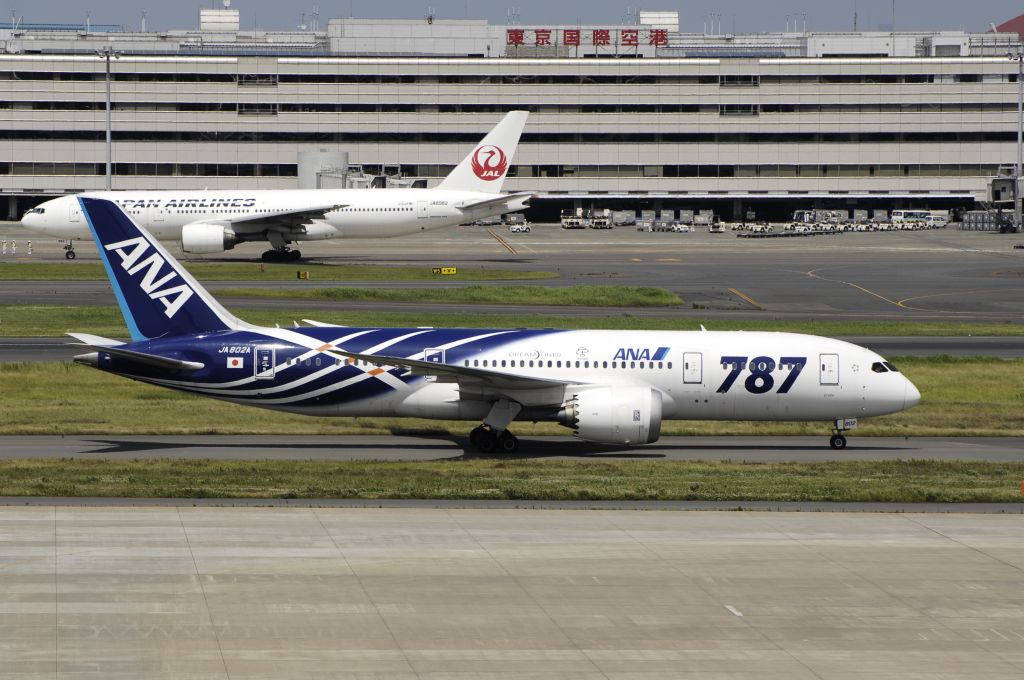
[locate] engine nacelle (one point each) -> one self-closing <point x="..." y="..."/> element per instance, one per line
<point x="201" y="238"/>
<point x="615" y="415"/>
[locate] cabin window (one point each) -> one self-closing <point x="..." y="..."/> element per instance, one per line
<point x="670" y="365"/>
<point x="317" y="361"/>
<point x="503" y="363"/>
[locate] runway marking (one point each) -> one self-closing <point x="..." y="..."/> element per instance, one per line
<point x="745" y="298"/>
<point x="814" y="275"/>
<point x="502" y="241"/>
<point x="934" y="295"/>
<point x="734" y="610"/>
<point x="668" y="259"/>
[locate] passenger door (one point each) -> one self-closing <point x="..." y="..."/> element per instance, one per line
<point x="829" y="364"/>
<point x="693" y="368"/>
<point x="264" y="364"/>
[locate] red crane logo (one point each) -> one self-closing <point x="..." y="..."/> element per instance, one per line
<point x="489" y="163"/>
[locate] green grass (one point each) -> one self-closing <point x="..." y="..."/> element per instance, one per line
<point x="895" y="481"/>
<point x="255" y="271"/>
<point x="43" y="320"/>
<point x="590" y="296"/>
<point x="969" y="397"/>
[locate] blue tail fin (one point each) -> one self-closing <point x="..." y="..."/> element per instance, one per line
<point x="158" y="297"/>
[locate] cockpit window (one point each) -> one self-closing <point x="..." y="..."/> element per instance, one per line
<point x="35" y="211"/>
<point x="890" y="367"/>
<point x="879" y="367"/>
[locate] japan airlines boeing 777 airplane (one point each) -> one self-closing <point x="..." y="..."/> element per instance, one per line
<point x="215" y="221"/>
<point x="613" y="387"/>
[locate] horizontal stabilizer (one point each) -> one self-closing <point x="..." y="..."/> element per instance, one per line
<point x="138" y="358"/>
<point x="95" y="340"/>
<point x="523" y="199"/>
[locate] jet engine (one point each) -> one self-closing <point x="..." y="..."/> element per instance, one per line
<point x="615" y="415"/>
<point x="201" y="238"/>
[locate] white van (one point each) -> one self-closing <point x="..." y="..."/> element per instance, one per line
<point x="909" y="219"/>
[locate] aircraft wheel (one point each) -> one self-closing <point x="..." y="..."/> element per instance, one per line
<point x="508" y="443"/>
<point x="293" y="255"/>
<point x="69" y="255"/>
<point x="837" y="442"/>
<point x="270" y="256"/>
<point x="487" y="441"/>
<point x="483" y="439"/>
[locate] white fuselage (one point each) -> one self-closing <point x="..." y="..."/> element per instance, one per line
<point x="363" y="213"/>
<point x="701" y="375"/>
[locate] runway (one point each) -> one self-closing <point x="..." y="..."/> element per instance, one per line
<point x="158" y="592"/>
<point x="324" y="447"/>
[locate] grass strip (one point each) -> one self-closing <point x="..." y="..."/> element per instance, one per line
<point x="52" y="320"/>
<point x="961" y="397"/>
<point x="256" y="271"/>
<point x="589" y="296"/>
<point x="888" y="481"/>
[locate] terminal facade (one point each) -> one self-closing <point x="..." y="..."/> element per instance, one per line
<point x="634" y="115"/>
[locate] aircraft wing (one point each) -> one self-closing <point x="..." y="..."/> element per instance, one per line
<point x="464" y="375"/>
<point x="280" y="218"/>
<point x="497" y="200"/>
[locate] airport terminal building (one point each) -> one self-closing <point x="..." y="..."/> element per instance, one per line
<point x="641" y="114"/>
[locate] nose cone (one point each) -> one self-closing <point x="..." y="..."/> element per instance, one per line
<point x="911" y="395"/>
<point x="30" y="220"/>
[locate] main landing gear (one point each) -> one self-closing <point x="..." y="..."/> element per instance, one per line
<point x="493" y="435"/>
<point x="282" y="254"/>
<point x="486" y="440"/>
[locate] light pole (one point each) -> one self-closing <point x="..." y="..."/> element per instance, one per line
<point x="106" y="53"/>
<point x="1019" y="58"/>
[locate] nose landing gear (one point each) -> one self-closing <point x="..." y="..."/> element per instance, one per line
<point x="69" y="250"/>
<point x="841" y="425"/>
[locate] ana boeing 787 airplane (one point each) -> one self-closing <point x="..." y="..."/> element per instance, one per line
<point x="612" y="387"/>
<point x="207" y="222"/>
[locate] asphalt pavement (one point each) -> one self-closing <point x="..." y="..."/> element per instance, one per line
<point x="401" y="448"/>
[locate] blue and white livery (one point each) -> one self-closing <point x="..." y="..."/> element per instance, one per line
<point x="206" y="222"/>
<point x="613" y="387"/>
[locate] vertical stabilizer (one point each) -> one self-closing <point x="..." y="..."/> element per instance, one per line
<point x="157" y="296"/>
<point x="485" y="168"/>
